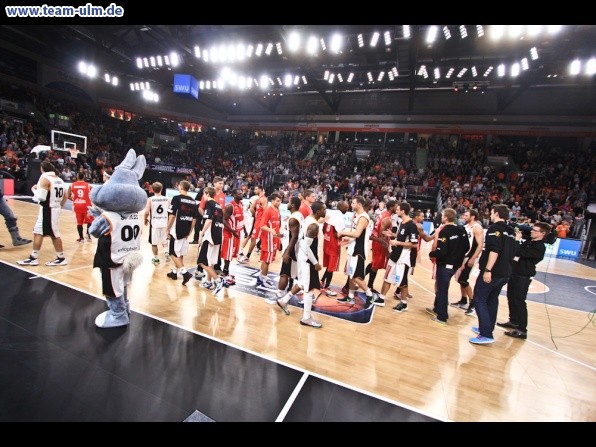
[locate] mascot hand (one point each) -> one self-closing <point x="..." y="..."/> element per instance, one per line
<point x="99" y="227"/>
<point x="94" y="211"/>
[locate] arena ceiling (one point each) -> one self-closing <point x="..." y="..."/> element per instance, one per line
<point x="403" y="59"/>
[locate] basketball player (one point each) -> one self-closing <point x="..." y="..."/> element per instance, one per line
<point x="78" y="192"/>
<point x="233" y="226"/>
<point x="380" y="245"/>
<point x="210" y="240"/>
<point x="334" y="223"/>
<point x="270" y="223"/>
<point x="156" y="214"/>
<point x="182" y="217"/>
<point x="398" y="264"/>
<point x="249" y="221"/>
<point x="356" y="239"/>
<point x="308" y="198"/>
<point x="289" y="266"/>
<point x="476" y="239"/>
<point x="219" y="197"/>
<point x="256" y="209"/>
<point x="308" y="266"/>
<point x="422" y="236"/>
<point x="50" y="193"/>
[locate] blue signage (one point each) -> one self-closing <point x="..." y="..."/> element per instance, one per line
<point x="187" y="85"/>
<point x="569" y="248"/>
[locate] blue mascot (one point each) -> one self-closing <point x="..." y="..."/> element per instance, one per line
<point x="118" y="229"/>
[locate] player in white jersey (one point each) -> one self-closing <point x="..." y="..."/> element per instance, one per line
<point x="308" y="265"/>
<point x="156" y="214"/>
<point x="289" y="266"/>
<point x="249" y="222"/>
<point x="50" y="193"/>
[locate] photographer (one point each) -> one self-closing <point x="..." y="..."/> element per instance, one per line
<point x="523" y="268"/>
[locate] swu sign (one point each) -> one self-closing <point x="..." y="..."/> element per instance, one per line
<point x="187" y="85"/>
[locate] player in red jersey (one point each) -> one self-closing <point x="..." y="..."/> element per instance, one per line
<point x="78" y="192"/>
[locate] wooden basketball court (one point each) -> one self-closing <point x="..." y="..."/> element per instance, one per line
<point x="401" y="358"/>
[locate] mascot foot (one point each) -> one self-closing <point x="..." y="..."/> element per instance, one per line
<point x="115" y="317"/>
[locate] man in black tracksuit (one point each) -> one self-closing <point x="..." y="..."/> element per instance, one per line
<point x="452" y="246"/>
<point x="495" y="267"/>
<point x="523" y="268"/>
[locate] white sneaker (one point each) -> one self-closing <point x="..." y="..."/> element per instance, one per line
<point x="218" y="286"/>
<point x="207" y="285"/>
<point x="330" y="292"/>
<point x="29" y="261"/>
<point x="242" y="260"/>
<point x="57" y="261"/>
<point x="167" y="256"/>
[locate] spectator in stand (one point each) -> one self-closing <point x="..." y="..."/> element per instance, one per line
<point x="562" y="230"/>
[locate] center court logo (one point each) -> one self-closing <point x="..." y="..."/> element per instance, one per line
<point x="246" y="279"/>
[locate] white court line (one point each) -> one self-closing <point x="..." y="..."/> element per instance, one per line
<point x="86" y="292"/>
<point x="284" y="411"/>
<point x="61" y="271"/>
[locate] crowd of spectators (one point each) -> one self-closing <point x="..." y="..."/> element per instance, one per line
<point x="549" y="182"/>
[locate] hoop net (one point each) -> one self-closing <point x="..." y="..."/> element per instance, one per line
<point x="73" y="152"/>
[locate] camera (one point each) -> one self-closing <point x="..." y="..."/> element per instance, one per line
<point x="525" y="229"/>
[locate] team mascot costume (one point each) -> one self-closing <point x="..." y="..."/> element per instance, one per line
<point x="118" y="229"/>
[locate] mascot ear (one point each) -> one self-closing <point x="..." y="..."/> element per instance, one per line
<point x="137" y="165"/>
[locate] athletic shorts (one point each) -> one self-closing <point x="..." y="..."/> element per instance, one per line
<point x="208" y="254"/>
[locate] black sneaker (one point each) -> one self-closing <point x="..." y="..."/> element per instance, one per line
<point x="379" y="301"/>
<point x="346" y="299"/>
<point x="185" y="277"/>
<point x="401" y="307"/>
<point x="461" y="304"/>
<point x="173" y="275"/>
<point x="57" y="261"/>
